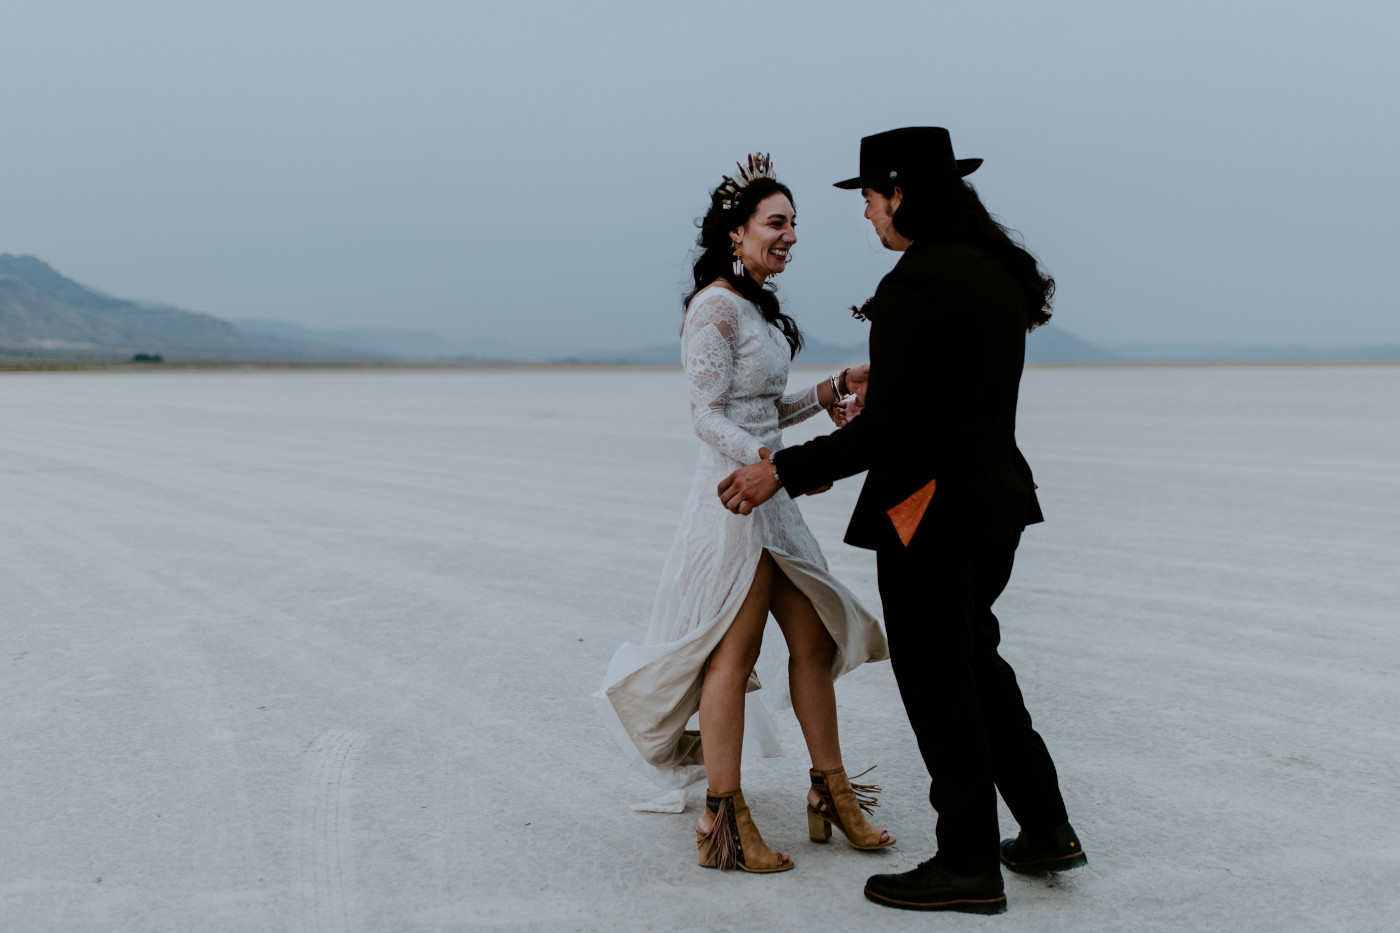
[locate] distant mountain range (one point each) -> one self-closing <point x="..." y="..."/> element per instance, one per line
<point x="403" y="344"/>
<point x="1222" y="352"/>
<point x="47" y="316"/>
<point x="44" y="315"/>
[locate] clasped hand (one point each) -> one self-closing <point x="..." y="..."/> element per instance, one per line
<point x="749" y="487"/>
<point x="844" y="410"/>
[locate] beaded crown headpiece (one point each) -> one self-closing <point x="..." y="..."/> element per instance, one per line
<point x="760" y="166"/>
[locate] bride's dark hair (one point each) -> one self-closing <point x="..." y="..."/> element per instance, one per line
<point x="717" y="255"/>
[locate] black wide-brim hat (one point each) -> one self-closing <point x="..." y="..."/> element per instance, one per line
<point x="911" y="153"/>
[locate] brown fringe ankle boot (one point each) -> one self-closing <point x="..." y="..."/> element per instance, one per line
<point x="840" y="806"/>
<point x="734" y="842"/>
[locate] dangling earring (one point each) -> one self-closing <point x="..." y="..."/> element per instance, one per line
<point x="738" y="260"/>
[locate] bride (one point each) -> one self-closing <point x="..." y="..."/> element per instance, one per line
<point x="727" y="572"/>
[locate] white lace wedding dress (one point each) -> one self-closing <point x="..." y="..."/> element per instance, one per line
<point x="737" y="367"/>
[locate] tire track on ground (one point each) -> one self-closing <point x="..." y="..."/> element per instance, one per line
<point x="324" y="865"/>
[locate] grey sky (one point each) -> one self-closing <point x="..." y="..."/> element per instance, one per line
<point x="530" y="171"/>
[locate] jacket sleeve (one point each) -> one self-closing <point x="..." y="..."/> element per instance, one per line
<point x="897" y="343"/>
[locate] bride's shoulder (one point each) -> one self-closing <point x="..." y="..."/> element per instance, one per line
<point x="714" y="305"/>
<point x="715" y="299"/>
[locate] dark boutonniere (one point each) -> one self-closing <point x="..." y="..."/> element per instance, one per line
<point x="863" y="312"/>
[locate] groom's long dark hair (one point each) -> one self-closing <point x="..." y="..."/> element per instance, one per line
<point x="716" y="259"/>
<point x="949" y="208"/>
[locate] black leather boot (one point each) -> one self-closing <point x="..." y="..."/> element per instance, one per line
<point x="1055" y="850"/>
<point x="932" y="887"/>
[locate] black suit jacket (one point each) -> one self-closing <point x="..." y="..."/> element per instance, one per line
<point x="947" y="345"/>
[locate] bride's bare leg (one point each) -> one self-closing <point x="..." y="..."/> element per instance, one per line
<point x="726" y="676"/>
<point x="811" y="652"/>
<point x="722" y="694"/>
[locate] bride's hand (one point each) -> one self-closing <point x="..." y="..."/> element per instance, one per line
<point x="845" y="412"/>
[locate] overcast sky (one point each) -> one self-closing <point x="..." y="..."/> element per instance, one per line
<point x="530" y="172"/>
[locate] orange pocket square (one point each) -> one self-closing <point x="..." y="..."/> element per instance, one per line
<point x="907" y="515"/>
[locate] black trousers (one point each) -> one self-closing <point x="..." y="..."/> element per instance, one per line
<point x="962" y="698"/>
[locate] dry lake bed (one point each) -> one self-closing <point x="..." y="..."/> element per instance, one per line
<point x="312" y="651"/>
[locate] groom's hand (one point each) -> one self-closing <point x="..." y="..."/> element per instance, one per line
<point x="858" y="380"/>
<point x="749" y="487"/>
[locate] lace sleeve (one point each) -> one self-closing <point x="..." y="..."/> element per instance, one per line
<point x="798" y="406"/>
<point x="711" y="330"/>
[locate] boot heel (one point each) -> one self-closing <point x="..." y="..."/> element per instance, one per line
<point x="818" y="829"/>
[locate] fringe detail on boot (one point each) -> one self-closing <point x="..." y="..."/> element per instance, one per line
<point x="865" y="793"/>
<point x="720" y="848"/>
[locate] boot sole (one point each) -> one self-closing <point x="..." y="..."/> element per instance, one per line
<point x="1058" y="864"/>
<point x="786" y="866"/>
<point x="967" y="905"/>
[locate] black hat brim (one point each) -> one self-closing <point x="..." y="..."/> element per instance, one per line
<point x="965" y="167"/>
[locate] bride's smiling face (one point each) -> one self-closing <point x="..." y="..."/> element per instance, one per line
<point x="765" y="240"/>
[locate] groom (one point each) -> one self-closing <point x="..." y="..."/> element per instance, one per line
<point x="946" y="499"/>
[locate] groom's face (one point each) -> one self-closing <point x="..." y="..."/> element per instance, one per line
<point x="879" y="210"/>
